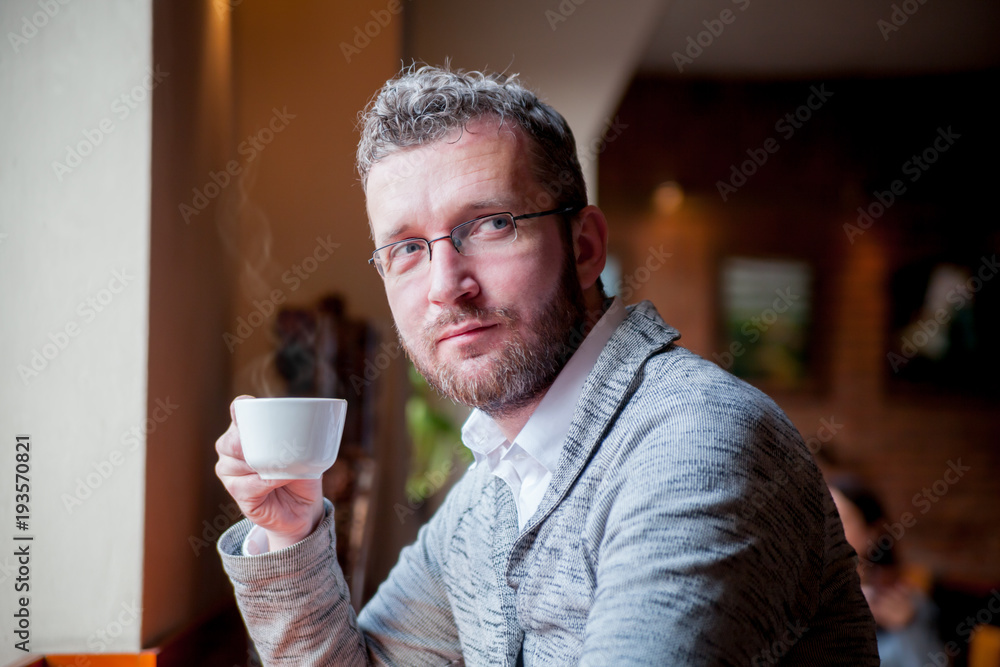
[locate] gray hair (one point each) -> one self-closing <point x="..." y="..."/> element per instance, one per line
<point x="423" y="104"/>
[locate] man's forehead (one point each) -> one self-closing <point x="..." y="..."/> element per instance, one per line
<point x="482" y="167"/>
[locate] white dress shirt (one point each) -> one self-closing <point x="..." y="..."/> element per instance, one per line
<point x="527" y="464"/>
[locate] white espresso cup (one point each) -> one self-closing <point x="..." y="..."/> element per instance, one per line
<point x="290" y="438"/>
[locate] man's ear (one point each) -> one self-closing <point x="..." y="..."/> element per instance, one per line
<point x="590" y="245"/>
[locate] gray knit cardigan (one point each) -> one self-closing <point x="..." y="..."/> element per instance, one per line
<point x="686" y="524"/>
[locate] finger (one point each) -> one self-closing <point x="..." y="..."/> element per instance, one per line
<point x="250" y="491"/>
<point x="232" y="406"/>
<point x="242" y="481"/>
<point x="229" y="443"/>
<point x="230" y="466"/>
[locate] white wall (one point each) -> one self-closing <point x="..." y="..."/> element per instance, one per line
<point x="63" y="241"/>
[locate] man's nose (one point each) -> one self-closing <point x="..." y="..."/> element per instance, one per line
<point x="451" y="277"/>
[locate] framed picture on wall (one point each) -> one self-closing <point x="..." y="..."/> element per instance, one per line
<point x="943" y="319"/>
<point x="766" y="316"/>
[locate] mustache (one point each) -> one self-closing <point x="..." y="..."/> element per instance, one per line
<point x="467" y="311"/>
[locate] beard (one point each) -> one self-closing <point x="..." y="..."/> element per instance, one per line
<point x="524" y="367"/>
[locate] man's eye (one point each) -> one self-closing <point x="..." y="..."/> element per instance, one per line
<point x="493" y="225"/>
<point x="407" y="250"/>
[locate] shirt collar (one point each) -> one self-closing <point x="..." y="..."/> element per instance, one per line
<point x="543" y="434"/>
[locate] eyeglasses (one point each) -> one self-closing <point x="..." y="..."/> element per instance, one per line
<point x="475" y="237"/>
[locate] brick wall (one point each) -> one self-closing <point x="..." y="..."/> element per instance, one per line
<point x="906" y="441"/>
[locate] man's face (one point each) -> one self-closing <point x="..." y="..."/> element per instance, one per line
<point x="490" y="331"/>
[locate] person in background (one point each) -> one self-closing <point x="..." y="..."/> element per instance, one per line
<point x="906" y="618"/>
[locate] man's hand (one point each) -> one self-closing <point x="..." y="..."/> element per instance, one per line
<point x="287" y="510"/>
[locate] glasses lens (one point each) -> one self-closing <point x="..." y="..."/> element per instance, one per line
<point x="402" y="257"/>
<point x="485" y="234"/>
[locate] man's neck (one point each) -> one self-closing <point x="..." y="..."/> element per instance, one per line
<point x="511" y="423"/>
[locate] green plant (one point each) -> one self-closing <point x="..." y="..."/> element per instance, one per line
<point x="437" y="441"/>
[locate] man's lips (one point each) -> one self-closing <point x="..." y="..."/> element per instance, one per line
<point x="463" y="330"/>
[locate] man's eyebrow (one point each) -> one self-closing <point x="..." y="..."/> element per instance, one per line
<point x="397" y="232"/>
<point x="494" y="204"/>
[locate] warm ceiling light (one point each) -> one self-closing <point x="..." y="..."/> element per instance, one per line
<point x="668" y="197"/>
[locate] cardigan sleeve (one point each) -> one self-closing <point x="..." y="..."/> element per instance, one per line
<point x="296" y="605"/>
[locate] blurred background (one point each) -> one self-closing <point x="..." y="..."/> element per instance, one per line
<point x="805" y="190"/>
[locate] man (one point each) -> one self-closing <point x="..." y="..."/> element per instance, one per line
<point x="607" y="518"/>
